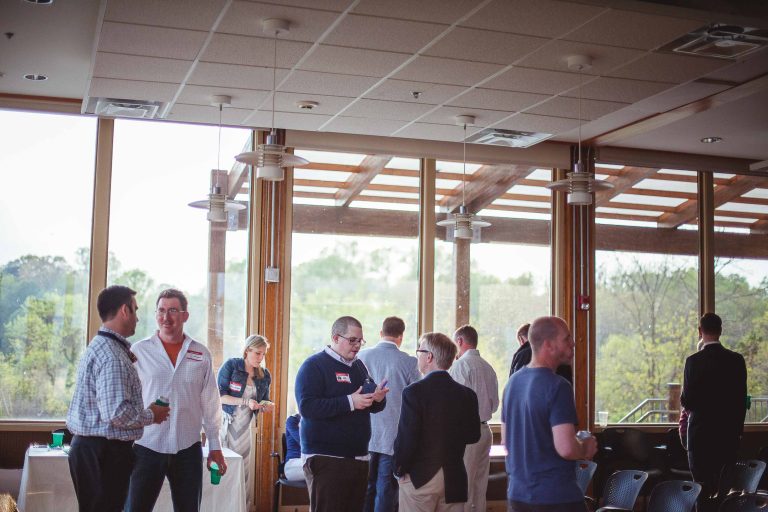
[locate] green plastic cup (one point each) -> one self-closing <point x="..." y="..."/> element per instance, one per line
<point x="58" y="438"/>
<point x="215" y="474"/>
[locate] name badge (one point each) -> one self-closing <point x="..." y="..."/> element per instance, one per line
<point x="194" y="356"/>
<point x="343" y="377"/>
<point x="235" y="386"/>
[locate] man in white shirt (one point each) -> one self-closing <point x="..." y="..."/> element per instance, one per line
<point x="478" y="375"/>
<point x="173" y="365"/>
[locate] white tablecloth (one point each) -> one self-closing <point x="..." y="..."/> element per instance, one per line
<point x="46" y="485"/>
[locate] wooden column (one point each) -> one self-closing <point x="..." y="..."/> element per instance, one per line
<point x="461" y="254"/>
<point x="102" y="184"/>
<point x="217" y="244"/>
<point x="427" y="227"/>
<point x="673" y="401"/>
<point x="706" y="213"/>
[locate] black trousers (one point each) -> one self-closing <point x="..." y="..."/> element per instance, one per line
<point x="336" y="484"/>
<point x="100" y="469"/>
<point x="707" y="464"/>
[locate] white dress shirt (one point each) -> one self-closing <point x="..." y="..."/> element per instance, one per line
<point x="477" y="374"/>
<point x="191" y="389"/>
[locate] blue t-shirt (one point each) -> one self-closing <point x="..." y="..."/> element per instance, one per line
<point x="535" y="400"/>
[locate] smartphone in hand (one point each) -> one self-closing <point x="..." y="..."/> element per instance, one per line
<point x="368" y="386"/>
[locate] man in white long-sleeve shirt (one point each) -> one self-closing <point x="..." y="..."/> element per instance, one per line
<point x="173" y="365"/>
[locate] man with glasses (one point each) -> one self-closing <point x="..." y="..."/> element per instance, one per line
<point x="438" y="418"/>
<point x="173" y="365"/>
<point x="336" y="396"/>
<point x="107" y="413"/>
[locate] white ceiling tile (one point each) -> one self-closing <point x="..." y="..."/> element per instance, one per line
<point x="540" y="81"/>
<point x="383" y="34"/>
<point x="328" y="105"/>
<point x="206" y="114"/>
<point x="232" y="75"/>
<point x="534" y="123"/>
<point x="325" y="5"/>
<point x="451" y="133"/>
<point x="291" y="120"/>
<point x="377" y="109"/>
<point x="353" y="61"/>
<point x="150" y="41"/>
<point x="446" y="71"/>
<point x="245" y="18"/>
<point x="331" y="84"/>
<point x="435" y="11"/>
<point x="362" y="126"/>
<point x="241" y="98"/>
<point x="605" y="124"/>
<point x="253" y="51"/>
<point x="619" y="89"/>
<point x="191" y="14"/>
<point x="447" y="115"/>
<point x="569" y="107"/>
<point x="133" y="67"/>
<point x="679" y="95"/>
<point x="662" y="67"/>
<point x="401" y="90"/>
<point x="633" y="29"/>
<point x="543" y="18"/>
<point x="491" y="99"/>
<point x="604" y="58"/>
<point x="130" y="89"/>
<point x="484" y="46"/>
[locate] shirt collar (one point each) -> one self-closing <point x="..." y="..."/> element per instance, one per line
<point x="472" y="352"/>
<point x="390" y="342"/>
<point x="328" y="350"/>
<point x="707" y="343"/>
<point x="119" y="336"/>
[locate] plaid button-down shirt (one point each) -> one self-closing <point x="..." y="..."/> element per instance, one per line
<point x="107" y="399"/>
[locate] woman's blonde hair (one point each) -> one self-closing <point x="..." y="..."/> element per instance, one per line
<point x="255" y="341"/>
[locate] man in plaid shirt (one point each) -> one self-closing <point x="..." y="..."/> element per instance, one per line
<point x="106" y="414"/>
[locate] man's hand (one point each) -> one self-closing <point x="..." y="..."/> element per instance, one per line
<point x="253" y="405"/>
<point x="159" y="413"/>
<point x="360" y="400"/>
<point x="590" y="447"/>
<point x="218" y="457"/>
<point x="381" y="391"/>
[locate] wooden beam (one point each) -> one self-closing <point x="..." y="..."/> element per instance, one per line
<point x="705" y="212"/>
<point x="461" y="260"/>
<point x="427" y="228"/>
<point x="368" y="169"/>
<point x="759" y="228"/>
<point x="488" y="183"/>
<point x="688" y="211"/>
<point x="238" y="175"/>
<point x="623" y="183"/>
<point x="657" y="121"/>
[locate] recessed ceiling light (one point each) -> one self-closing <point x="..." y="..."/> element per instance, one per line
<point x="35" y="77"/>
<point x="39" y="2"/>
<point x="711" y="140"/>
<point x="307" y="105"/>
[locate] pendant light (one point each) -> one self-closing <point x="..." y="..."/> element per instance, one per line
<point x="270" y="158"/>
<point x="463" y="221"/>
<point x="579" y="184"/>
<point x="217" y="203"/>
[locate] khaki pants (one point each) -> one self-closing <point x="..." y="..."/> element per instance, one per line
<point x="430" y="497"/>
<point x="477" y="461"/>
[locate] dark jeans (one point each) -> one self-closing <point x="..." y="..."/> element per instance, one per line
<point x="100" y="470"/>
<point x="706" y="466"/>
<point x="516" y="506"/>
<point x="185" y="475"/>
<point x="382" y="492"/>
<point x="336" y="484"/>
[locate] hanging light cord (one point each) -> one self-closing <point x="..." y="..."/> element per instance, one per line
<point x="218" y="149"/>
<point x="464" y="169"/>
<point x="274" y="84"/>
<point x="579" y="165"/>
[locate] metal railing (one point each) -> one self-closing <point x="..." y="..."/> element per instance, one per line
<point x="654" y="410"/>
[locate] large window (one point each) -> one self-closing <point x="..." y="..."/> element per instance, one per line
<point x="46" y="184"/>
<point x="647" y="291"/>
<point x="354" y="249"/>
<point x="157" y="241"/>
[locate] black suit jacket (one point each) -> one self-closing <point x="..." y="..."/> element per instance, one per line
<point x="439" y="417"/>
<point x="714" y="394"/>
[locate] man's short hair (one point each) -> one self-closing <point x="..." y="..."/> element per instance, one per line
<point x="542" y="329"/>
<point x="111" y="299"/>
<point x="393" y="326"/>
<point x="711" y="324"/>
<point x="441" y="347"/>
<point x="522" y="331"/>
<point x="173" y="293"/>
<point x="467" y="333"/>
<point x="341" y="325"/>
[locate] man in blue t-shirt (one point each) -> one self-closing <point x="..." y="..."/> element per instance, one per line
<point x="539" y="417"/>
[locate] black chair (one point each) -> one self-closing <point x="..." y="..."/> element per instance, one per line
<point x="744" y="476"/>
<point x="763" y="456"/>
<point x="745" y="503"/>
<point x="676" y="457"/>
<point x="629" y="448"/>
<point x="584" y="471"/>
<point x="282" y="481"/>
<point x="67" y="434"/>
<point x="673" y="496"/>
<point x="622" y="489"/>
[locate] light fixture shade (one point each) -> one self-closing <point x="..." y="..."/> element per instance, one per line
<point x="217" y="205"/>
<point x="463" y="223"/>
<point x="270" y="159"/>
<point x="580" y="186"/>
<point x="270" y="173"/>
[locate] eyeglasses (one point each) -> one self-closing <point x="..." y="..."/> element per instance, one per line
<point x="353" y="341"/>
<point x="169" y="311"/>
<point x="422" y="351"/>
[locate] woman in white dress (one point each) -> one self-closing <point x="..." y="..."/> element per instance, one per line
<point x="244" y="390"/>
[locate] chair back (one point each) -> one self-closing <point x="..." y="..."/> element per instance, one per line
<point x="622" y="488"/>
<point x="673" y="496"/>
<point x="676" y="456"/>
<point x="628" y="446"/>
<point x="745" y="503"/>
<point x="763" y="456"/>
<point x="744" y="476"/>
<point x="584" y="471"/>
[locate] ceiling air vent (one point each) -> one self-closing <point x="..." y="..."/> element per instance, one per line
<point x="508" y="138"/>
<point x="721" y="41"/>
<point x="139" y="109"/>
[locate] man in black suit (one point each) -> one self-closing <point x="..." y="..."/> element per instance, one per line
<point x="439" y="417"/>
<point x="714" y="394"/>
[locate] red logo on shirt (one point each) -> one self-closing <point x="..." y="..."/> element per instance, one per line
<point x="343" y="377"/>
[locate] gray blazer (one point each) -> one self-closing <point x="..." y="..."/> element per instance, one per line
<point x="386" y="361"/>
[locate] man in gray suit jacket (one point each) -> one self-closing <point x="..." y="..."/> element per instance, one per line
<point x="386" y="362"/>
